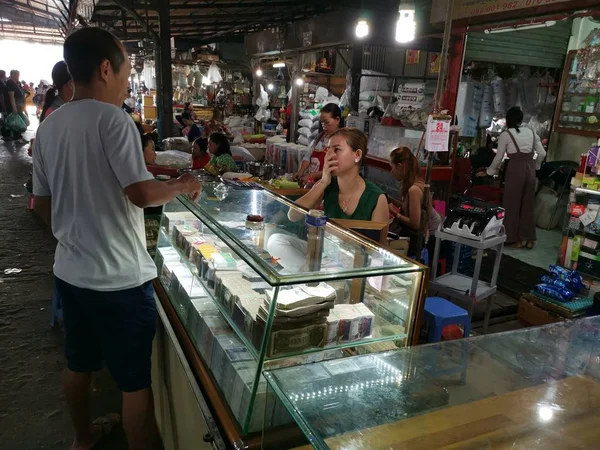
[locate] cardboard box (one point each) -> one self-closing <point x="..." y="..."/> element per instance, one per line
<point x="533" y="315"/>
<point x="148" y="100"/>
<point x="149" y="112"/>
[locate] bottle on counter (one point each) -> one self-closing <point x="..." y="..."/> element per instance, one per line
<point x="315" y="226"/>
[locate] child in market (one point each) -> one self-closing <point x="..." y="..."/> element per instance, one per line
<point x="200" y="155"/>
<point x="149" y="149"/>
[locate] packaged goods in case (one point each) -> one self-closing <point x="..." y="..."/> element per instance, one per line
<point x="226" y="286"/>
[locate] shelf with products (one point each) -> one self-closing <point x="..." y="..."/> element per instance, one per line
<point x="581" y="233"/>
<point x="248" y="298"/>
<point x="578" y="104"/>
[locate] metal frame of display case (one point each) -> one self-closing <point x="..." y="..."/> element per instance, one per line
<point x="234" y="431"/>
<point x="560" y="100"/>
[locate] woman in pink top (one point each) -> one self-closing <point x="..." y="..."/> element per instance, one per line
<point x="61" y="90"/>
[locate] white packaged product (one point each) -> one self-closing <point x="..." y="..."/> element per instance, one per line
<point x="303" y="140"/>
<point x="174" y="158"/>
<point x="305" y="123"/>
<point x="309" y="114"/>
<point x="304" y="131"/>
<point x="315" y="125"/>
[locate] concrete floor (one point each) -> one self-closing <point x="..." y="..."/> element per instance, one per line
<point x="33" y="413"/>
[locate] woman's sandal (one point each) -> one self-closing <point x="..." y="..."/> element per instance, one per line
<point x="517" y="244"/>
<point x="529" y="245"/>
<point x="104" y="426"/>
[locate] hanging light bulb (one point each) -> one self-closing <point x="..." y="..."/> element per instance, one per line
<point x="299" y="81"/>
<point x="362" y="29"/>
<point x="406" y="26"/>
<point x="278" y="64"/>
<point x="270" y="86"/>
<point x="259" y="72"/>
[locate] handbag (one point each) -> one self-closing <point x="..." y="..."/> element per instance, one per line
<point x="16" y="123"/>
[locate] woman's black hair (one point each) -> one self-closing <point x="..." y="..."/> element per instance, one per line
<point x="514" y="117"/>
<point x="87" y="48"/>
<point x="335" y="112"/>
<point x="60" y="77"/>
<point x="145" y="139"/>
<point x="202" y="144"/>
<point x="222" y="144"/>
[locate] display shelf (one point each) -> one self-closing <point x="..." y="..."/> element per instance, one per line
<point x="240" y="203"/>
<point x="383" y="330"/>
<point x="571" y="127"/>
<point x="242" y="309"/>
<point x="211" y="294"/>
<point x="459" y="286"/>
<point x="452" y="394"/>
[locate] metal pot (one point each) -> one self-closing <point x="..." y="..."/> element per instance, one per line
<point x="253" y="168"/>
<point x="267" y="171"/>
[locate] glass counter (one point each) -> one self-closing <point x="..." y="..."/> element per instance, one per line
<point x="258" y="294"/>
<point x="532" y="388"/>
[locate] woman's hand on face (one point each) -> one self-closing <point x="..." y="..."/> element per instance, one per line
<point x="331" y="164"/>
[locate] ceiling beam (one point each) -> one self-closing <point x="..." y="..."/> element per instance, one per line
<point x="229" y="5"/>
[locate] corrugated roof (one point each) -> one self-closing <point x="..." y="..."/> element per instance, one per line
<point x="33" y="20"/>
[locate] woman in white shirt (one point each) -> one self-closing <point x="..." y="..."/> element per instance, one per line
<point x="526" y="153"/>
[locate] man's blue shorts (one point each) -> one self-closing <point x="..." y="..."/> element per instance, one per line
<point x="115" y="328"/>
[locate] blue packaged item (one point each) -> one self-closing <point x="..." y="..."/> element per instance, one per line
<point x="554" y="292"/>
<point x="559" y="271"/>
<point x="547" y="279"/>
<point x="574" y="280"/>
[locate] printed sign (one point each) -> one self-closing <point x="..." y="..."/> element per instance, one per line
<point x="412" y="57"/>
<point x="470" y="8"/>
<point x="437" y="135"/>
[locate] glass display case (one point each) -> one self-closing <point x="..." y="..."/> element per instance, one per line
<point x="531" y="388"/>
<point x="578" y="103"/>
<point x="255" y="290"/>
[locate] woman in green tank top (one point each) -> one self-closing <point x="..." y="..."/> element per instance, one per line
<point x="344" y="193"/>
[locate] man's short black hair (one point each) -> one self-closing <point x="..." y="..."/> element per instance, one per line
<point x="87" y="48"/>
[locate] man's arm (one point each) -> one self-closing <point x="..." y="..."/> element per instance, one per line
<point x="11" y="95"/>
<point x="42" y="206"/>
<point x="155" y="193"/>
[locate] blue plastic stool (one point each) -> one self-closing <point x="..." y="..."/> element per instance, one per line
<point x="57" y="311"/>
<point x="439" y="312"/>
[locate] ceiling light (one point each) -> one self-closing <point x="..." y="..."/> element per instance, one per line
<point x="278" y="64"/>
<point x="362" y="29"/>
<point x="299" y="81"/>
<point x="406" y="26"/>
<point x="270" y="86"/>
<point x="259" y="72"/>
<point x="530" y="26"/>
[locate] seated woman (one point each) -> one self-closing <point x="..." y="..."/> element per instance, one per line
<point x="407" y="219"/>
<point x="345" y="194"/>
<point x="222" y="160"/>
<point x="191" y="130"/>
<point x="200" y="155"/>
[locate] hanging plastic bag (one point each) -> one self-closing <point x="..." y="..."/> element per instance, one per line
<point x="487" y="107"/>
<point x="16" y="123"/>
<point x="499" y="96"/>
<point x="262" y="101"/>
<point x="214" y="74"/>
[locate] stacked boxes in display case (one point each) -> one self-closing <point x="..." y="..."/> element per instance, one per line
<point x="226" y="302"/>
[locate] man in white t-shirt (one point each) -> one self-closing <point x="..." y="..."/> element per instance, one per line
<point x="89" y="171"/>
